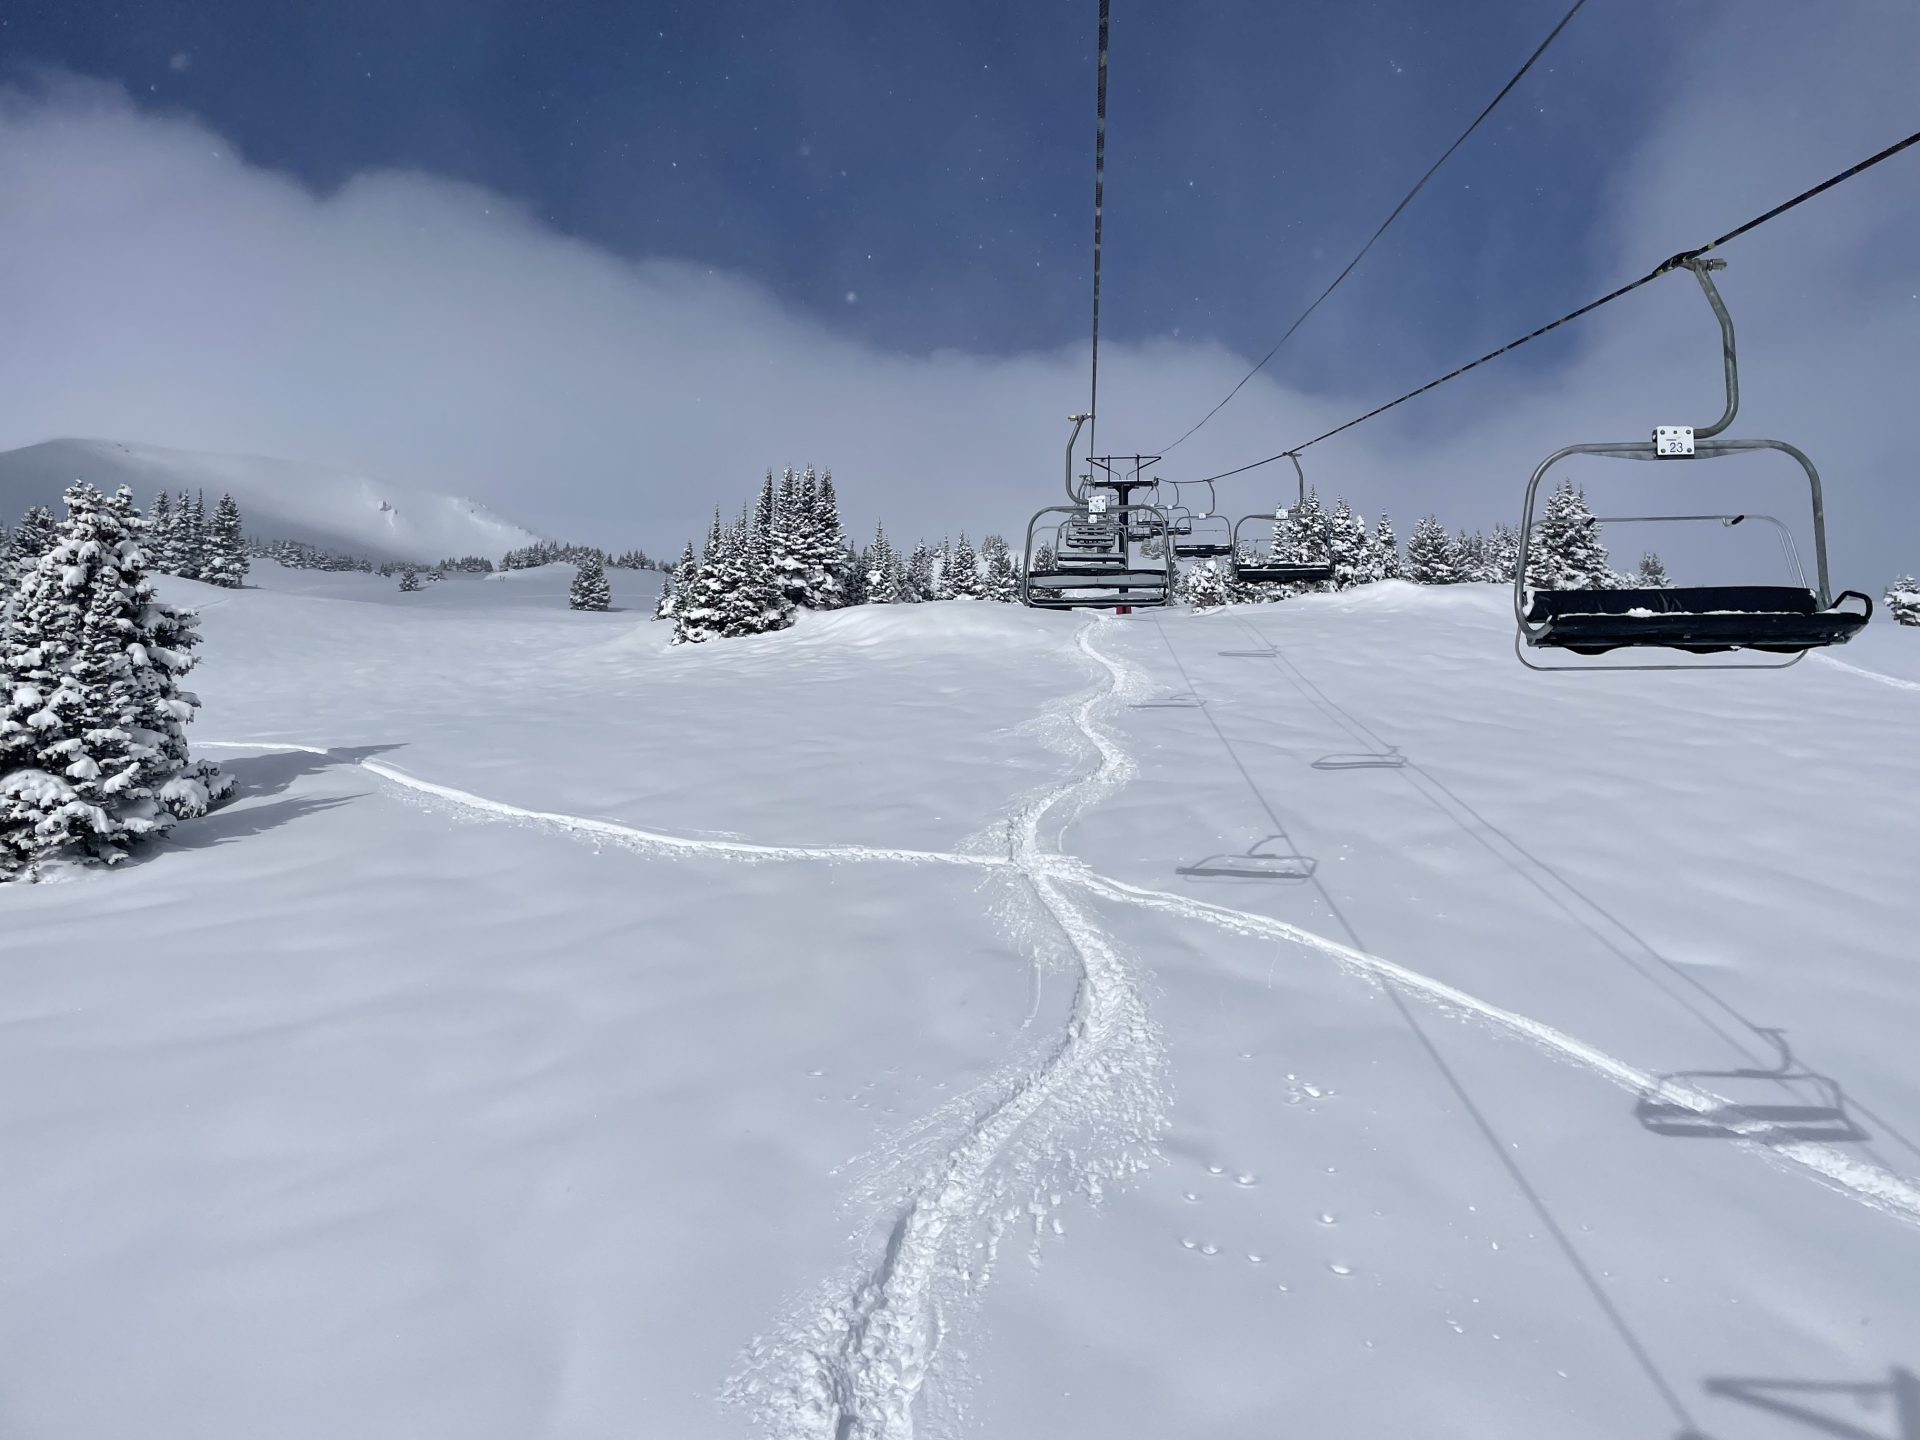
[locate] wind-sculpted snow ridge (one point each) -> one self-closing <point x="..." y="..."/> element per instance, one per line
<point x="1865" y="673"/>
<point x="1880" y="1189"/>
<point x="863" y="1361"/>
<point x="629" y="836"/>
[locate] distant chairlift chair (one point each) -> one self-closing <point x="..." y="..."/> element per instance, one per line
<point x="1275" y="569"/>
<point x="1093" y="564"/>
<point x="1702" y="619"/>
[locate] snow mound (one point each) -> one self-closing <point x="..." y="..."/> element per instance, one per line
<point x="279" y="499"/>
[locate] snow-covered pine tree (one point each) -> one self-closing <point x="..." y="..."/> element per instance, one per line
<point x="225" y="563"/>
<point x="880" y="564"/>
<point x="1470" y="554"/>
<point x="697" y="603"/>
<point x="1903" y="600"/>
<point x="787" y="547"/>
<point x="1503" y="554"/>
<point x="1383" y="551"/>
<point x="589" y="590"/>
<point x="1002" y="582"/>
<point x="1431" y="556"/>
<point x="32" y="538"/>
<point x="922" y="576"/>
<point x="160" y="533"/>
<point x="1565" y="552"/>
<point x="192" y="522"/>
<point x="677" y="579"/>
<point x="1652" y="573"/>
<point x="1204" y="586"/>
<point x="93" y="750"/>
<point x="961" y="578"/>
<point x="827" y="546"/>
<point x="1043" y="558"/>
<point x="763" y="604"/>
<point x="1347" y="543"/>
<point x="409" y="581"/>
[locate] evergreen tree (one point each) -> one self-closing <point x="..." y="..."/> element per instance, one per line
<point x="161" y="541"/>
<point x="697" y="602"/>
<point x="761" y="604"/>
<point x="1304" y="537"/>
<point x="1431" y="556"/>
<point x="590" y="590"/>
<point x="93" y="748"/>
<point x="1565" y="552"/>
<point x="225" y="562"/>
<point x="1384" y="551"/>
<point x="1503" y="554"/>
<point x="1204" y="586"/>
<point x="1043" y="558"/>
<point x="922" y="573"/>
<point x="850" y="576"/>
<point x="1472" y="557"/>
<point x="881" y="565"/>
<point x="1347" y="544"/>
<point x="1652" y="574"/>
<point x="32" y="538"/>
<point x="961" y="578"/>
<point x="788" y="548"/>
<point x="1002" y="582"/>
<point x="827" y="571"/>
<point x="676" y="579"/>
<point x="409" y="581"/>
<point x="1903" y="600"/>
<point x="191" y="529"/>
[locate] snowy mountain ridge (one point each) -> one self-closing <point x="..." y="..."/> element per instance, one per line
<point x="335" y="509"/>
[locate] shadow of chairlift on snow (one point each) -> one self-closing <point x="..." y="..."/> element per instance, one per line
<point x="1876" y="1410"/>
<point x="1388" y="759"/>
<point x="1257" y="862"/>
<point x="1179" y="700"/>
<point x="1785" y="1102"/>
<point x="1267" y="654"/>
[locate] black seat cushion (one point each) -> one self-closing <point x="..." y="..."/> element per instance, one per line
<point x="1701" y="619"/>
<point x="1285" y="574"/>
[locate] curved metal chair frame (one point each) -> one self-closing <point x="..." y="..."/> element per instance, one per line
<point x="1721" y="618"/>
<point x="1271" y="571"/>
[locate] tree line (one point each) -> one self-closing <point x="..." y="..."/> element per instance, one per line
<point x="787" y="551"/>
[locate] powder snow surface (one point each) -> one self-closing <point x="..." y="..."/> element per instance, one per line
<point x="568" y="1036"/>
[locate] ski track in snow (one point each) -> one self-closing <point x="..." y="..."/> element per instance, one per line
<point x="1881" y="1189"/>
<point x="853" y="1364"/>
<point x="627" y="835"/>
<point x="1861" y="670"/>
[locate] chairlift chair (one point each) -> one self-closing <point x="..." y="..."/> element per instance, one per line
<point x="1274" y="570"/>
<point x="1097" y="527"/>
<point x="1784" y="620"/>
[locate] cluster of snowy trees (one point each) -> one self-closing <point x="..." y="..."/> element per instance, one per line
<point x="93" y="750"/>
<point x="788" y="552"/>
<point x="1903" y="600"/>
<point x="556" y="552"/>
<point x="1566" y="553"/>
<point x="298" y="555"/>
<point x="183" y="540"/>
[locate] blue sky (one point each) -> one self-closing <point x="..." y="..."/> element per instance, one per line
<point x="610" y="246"/>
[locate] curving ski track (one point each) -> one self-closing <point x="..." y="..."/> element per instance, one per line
<point x="856" y="1362"/>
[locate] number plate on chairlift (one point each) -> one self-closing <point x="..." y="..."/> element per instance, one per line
<point x="1281" y="513"/>
<point x="1097" y="504"/>
<point x="1672" y="440"/>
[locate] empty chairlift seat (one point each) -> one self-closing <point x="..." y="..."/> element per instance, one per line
<point x="1702" y="619"/>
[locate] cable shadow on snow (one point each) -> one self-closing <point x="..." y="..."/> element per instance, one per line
<point x="1871" y="1410"/>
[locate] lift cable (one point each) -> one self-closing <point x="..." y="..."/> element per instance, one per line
<point x="1099" y="206"/>
<point x="1674" y="263"/>
<point x="1406" y="200"/>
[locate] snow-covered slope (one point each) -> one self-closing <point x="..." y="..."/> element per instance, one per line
<point x="566" y="1035"/>
<point x="279" y="499"/>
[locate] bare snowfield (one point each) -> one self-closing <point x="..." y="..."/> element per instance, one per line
<point x="564" y="1035"/>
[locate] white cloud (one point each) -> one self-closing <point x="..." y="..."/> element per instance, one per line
<point x="155" y="287"/>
